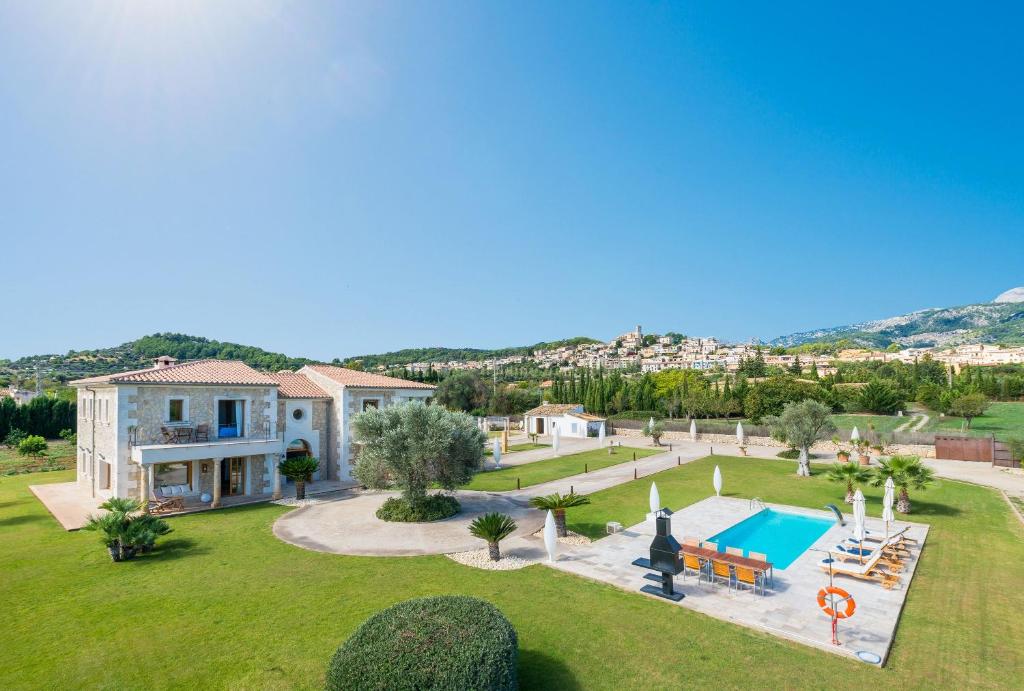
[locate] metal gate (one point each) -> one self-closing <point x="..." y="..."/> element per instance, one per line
<point x="965" y="448"/>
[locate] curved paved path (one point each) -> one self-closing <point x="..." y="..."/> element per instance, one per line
<point x="349" y="525"/>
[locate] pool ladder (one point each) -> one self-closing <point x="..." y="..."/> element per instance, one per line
<point x="756" y="503"/>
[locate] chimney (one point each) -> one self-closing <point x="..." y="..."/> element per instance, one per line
<point x="163" y="361"/>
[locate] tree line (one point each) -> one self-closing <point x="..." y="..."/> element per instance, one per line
<point x="44" y="416"/>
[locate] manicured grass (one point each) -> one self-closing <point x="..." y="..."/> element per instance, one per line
<point x="1002" y="419"/>
<point x="880" y="423"/>
<point x="526" y="446"/>
<point x="59" y="456"/>
<point x="554" y="468"/>
<point x="224" y="604"/>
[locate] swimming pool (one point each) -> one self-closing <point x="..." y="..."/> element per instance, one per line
<point x="782" y="536"/>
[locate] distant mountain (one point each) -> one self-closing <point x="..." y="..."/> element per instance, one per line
<point x="440" y="354"/>
<point x="141" y="352"/>
<point x="1001" y="321"/>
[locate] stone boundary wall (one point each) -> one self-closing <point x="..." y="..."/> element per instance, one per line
<point x="922" y="450"/>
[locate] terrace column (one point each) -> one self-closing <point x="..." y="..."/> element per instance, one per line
<point x="145" y="482"/>
<point x="277" y="479"/>
<point x="216" y="483"/>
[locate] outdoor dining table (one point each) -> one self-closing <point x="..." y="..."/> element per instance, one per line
<point x="757" y="565"/>
<point x="182" y="435"/>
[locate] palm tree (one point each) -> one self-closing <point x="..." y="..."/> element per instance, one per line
<point x="124" y="531"/>
<point x="492" y="527"/>
<point x="297" y="469"/>
<point x="907" y="472"/>
<point x="851" y="473"/>
<point x="558" y="503"/>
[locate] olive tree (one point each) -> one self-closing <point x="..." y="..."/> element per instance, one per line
<point x="412" y="446"/>
<point x="801" y="425"/>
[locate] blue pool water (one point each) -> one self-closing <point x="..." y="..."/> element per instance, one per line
<point x="782" y="536"/>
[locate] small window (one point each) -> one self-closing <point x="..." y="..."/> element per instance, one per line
<point x="176" y="410"/>
<point x="371" y="403"/>
<point x="574" y="428"/>
<point x="297" y="413"/>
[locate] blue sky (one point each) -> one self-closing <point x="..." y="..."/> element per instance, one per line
<point x="329" y="179"/>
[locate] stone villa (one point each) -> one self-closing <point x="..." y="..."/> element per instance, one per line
<point x="214" y="428"/>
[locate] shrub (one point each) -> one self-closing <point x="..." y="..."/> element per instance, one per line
<point x="13" y="438"/>
<point x="880" y="397"/>
<point x="69" y="436"/>
<point x="299" y="469"/>
<point x="789" y="454"/>
<point x="434" y="507"/>
<point x="33" y="445"/>
<point x="446" y="642"/>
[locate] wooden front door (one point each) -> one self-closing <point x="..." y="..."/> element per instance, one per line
<point x="540" y="425"/>
<point x="232" y="476"/>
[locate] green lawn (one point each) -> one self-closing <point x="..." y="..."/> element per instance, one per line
<point x="224" y="604"/>
<point x="880" y="423"/>
<point x="60" y="456"/>
<point x="554" y="468"/>
<point x="1002" y="419"/>
<point x="526" y="446"/>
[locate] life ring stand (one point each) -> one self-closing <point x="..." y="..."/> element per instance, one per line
<point x="844" y="598"/>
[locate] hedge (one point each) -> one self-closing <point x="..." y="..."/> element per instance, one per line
<point x="447" y="642"/>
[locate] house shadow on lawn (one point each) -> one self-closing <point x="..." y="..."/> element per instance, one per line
<point x="540" y="671"/>
<point x="925" y="508"/>
<point x="173" y="548"/>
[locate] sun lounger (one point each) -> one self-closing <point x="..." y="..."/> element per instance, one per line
<point x="868" y="571"/>
<point x="861" y="555"/>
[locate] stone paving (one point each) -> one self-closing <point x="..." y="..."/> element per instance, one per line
<point x="789" y="609"/>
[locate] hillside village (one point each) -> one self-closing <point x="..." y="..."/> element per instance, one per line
<point x="654" y="353"/>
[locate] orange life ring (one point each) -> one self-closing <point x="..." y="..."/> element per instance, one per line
<point x="851" y="606"/>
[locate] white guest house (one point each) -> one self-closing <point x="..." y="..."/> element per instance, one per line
<point x="211" y="429"/>
<point x="568" y="418"/>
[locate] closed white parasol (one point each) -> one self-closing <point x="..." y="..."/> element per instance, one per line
<point x="717" y="480"/>
<point x="858" y="521"/>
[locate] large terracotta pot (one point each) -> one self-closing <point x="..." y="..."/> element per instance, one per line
<point x="865" y="459"/>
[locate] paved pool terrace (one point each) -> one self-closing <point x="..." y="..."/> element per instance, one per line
<point x="790" y="609"/>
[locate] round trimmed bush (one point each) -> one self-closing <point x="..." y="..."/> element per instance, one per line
<point x="447" y="642"/>
<point x="789" y="454"/>
<point x="434" y="508"/>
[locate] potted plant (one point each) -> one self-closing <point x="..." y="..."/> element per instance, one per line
<point x="842" y="455"/>
<point x="862" y="452"/>
<point x="299" y="470"/>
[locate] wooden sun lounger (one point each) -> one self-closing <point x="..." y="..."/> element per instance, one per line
<point x="159" y="504"/>
<point x="869" y="571"/>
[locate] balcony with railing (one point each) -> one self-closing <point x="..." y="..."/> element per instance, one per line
<point x="186" y="441"/>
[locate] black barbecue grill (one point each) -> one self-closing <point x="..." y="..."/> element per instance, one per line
<point x="666" y="557"/>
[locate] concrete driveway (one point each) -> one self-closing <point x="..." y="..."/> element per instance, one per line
<point x="349" y="525"/>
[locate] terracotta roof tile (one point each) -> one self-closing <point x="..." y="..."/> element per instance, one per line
<point x="295" y="385"/>
<point x="553" y="409"/>
<point x="226" y="372"/>
<point x="587" y="416"/>
<point x="350" y="377"/>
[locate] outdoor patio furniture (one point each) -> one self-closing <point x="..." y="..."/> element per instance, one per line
<point x="734" y="550"/>
<point x="183" y="434"/>
<point x="694" y="541"/>
<point x="168" y="436"/>
<point x="202" y="432"/>
<point x="161" y="504"/>
<point x="694" y="564"/>
<point x="869" y="571"/>
<point x="750" y="577"/>
<point x="706" y="556"/>
<point x="721" y="570"/>
<point x="713" y="546"/>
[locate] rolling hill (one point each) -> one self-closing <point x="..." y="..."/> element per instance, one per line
<point x="1001" y="321"/>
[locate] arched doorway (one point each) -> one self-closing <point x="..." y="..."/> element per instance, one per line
<point x="301" y="447"/>
<point x="298" y="447"/>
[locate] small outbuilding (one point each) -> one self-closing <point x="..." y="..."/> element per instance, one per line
<point x="568" y="418"/>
